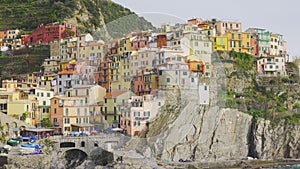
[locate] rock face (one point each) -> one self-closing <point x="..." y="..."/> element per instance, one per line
<point x="280" y="141"/>
<point x="221" y="134"/>
<point x="204" y="135"/>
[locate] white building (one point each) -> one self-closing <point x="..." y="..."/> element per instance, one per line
<point x="272" y="66"/>
<point x="204" y="94"/>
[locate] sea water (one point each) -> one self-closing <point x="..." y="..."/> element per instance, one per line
<point x="287" y="167"/>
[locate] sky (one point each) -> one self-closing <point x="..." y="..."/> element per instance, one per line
<point x="277" y="16"/>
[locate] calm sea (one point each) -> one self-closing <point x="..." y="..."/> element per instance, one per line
<point x="287" y="167"/>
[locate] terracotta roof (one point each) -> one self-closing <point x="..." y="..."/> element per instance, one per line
<point x="116" y="93"/>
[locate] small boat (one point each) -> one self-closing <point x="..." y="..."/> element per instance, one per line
<point x="29" y="151"/>
<point x="29" y="146"/>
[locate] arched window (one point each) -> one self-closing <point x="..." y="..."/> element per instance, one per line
<point x="82" y="144"/>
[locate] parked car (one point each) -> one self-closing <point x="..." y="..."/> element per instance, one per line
<point x="12" y="142"/>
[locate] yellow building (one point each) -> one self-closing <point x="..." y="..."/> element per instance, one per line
<point x="96" y="103"/>
<point x="150" y="81"/>
<point x="92" y="52"/>
<point x="115" y="103"/>
<point x="238" y="41"/>
<point x="220" y="43"/>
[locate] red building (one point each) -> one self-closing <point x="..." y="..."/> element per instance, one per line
<point x="254" y="44"/>
<point x="26" y="39"/>
<point x="102" y="76"/>
<point x="138" y="85"/>
<point x="52" y="32"/>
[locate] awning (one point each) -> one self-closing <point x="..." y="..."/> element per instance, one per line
<point x="38" y="129"/>
<point x="82" y="125"/>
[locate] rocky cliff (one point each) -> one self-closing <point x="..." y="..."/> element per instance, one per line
<point x="189" y="131"/>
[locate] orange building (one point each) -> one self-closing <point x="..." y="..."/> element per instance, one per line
<point x="196" y="65"/>
<point x="161" y="40"/>
<point x="56" y="114"/>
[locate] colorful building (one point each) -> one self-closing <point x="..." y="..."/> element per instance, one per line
<point x="271" y="66"/>
<point x="220" y="43"/>
<point x="115" y="103"/>
<point x="142" y="110"/>
<point x="52" y="32"/>
<point x="239" y="41"/>
<point x="223" y="27"/>
<point x="56" y="114"/>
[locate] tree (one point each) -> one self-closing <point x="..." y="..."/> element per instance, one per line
<point x="46" y="123"/>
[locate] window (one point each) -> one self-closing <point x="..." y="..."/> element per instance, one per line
<point x="105" y="100"/>
<point x="87" y="91"/>
<point x="67" y="112"/>
<point x="78" y="111"/>
<point x="42" y="94"/>
<point x="168" y="80"/>
<point x="54" y="110"/>
<point x="48" y="94"/>
<point x="44" y="103"/>
<point x="74" y="102"/>
<point x="184" y="73"/>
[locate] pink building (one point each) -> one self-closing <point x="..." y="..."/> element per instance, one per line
<point x="142" y="110"/>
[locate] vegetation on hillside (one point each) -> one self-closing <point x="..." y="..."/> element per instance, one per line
<point x="23" y="61"/>
<point x="277" y="100"/>
<point x="28" y="14"/>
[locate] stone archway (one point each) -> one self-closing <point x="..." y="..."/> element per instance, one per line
<point x="75" y="157"/>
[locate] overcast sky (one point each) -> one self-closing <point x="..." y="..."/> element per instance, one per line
<point x="277" y="16"/>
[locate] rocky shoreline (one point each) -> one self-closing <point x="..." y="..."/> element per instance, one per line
<point x="234" y="164"/>
<point x="136" y="160"/>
